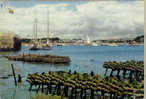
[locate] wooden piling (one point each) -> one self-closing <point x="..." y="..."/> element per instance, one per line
<point x="50" y="89"/>
<point x="75" y="92"/>
<point x="111" y="73"/>
<point x="38" y="88"/>
<point x="72" y="91"/>
<point x="47" y="90"/>
<point x="66" y="91"/>
<point x="118" y="74"/>
<point x="14" y="75"/>
<point x="62" y="87"/>
<point x="81" y="94"/>
<point x="106" y="71"/>
<point x="124" y="73"/>
<point x="42" y="87"/>
<point x="131" y="75"/>
<point x="58" y="89"/>
<point x="92" y="94"/>
<point x="30" y="87"/>
<point x="85" y="94"/>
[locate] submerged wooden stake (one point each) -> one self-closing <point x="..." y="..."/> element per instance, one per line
<point x="42" y="87"/>
<point x="14" y="74"/>
<point x="111" y="73"/>
<point x="106" y="71"/>
<point x="30" y="87"/>
<point x="92" y="94"/>
<point x="124" y="74"/>
<point x="38" y="88"/>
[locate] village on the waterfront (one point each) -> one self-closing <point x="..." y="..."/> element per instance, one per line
<point x="56" y="41"/>
<point x="71" y="50"/>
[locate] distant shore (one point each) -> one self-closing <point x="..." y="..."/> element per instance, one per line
<point x="86" y="44"/>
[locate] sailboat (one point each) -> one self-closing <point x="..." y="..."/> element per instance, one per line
<point x="35" y="42"/>
<point x="48" y="45"/>
<point x="37" y="45"/>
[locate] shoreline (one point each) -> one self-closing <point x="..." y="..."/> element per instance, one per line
<point x="82" y="44"/>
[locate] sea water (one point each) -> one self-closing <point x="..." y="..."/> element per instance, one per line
<point x="84" y="59"/>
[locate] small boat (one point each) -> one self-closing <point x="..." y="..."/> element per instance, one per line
<point x="46" y="48"/>
<point x="95" y="44"/>
<point x="36" y="47"/>
<point x="113" y="45"/>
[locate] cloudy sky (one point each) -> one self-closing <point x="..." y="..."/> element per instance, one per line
<point x="98" y="20"/>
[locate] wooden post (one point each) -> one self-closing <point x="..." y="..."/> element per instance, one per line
<point x="14" y="74"/>
<point x="142" y="76"/>
<point x="50" y="88"/>
<point x="72" y="91"/>
<point x="58" y="89"/>
<point x="66" y="91"/>
<point x="102" y="95"/>
<point x="85" y="94"/>
<point x="131" y="76"/>
<point x="137" y="76"/>
<point x="38" y="88"/>
<point x="111" y="96"/>
<point x="114" y="97"/>
<point x="92" y="94"/>
<point x="81" y="94"/>
<point x="62" y="93"/>
<point x="111" y="73"/>
<point x="124" y="74"/>
<point x="47" y="90"/>
<point x="118" y="74"/>
<point x="106" y="71"/>
<point x="76" y="93"/>
<point x="30" y="87"/>
<point x="42" y="87"/>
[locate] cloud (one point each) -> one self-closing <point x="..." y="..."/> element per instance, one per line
<point x="98" y="20"/>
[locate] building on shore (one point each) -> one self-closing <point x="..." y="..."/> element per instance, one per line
<point x="9" y="42"/>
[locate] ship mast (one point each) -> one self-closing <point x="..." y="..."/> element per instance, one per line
<point x="35" y="26"/>
<point x="48" y="28"/>
<point x="35" y="29"/>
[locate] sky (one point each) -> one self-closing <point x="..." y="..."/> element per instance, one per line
<point x="68" y="20"/>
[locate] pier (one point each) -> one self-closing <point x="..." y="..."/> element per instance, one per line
<point x="41" y="58"/>
<point x="81" y="86"/>
<point x="132" y="70"/>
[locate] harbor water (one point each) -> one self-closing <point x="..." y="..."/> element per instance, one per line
<point x="84" y="59"/>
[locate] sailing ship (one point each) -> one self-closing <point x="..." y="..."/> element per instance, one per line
<point x="38" y="45"/>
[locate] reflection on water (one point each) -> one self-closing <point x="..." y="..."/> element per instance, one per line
<point x="84" y="59"/>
